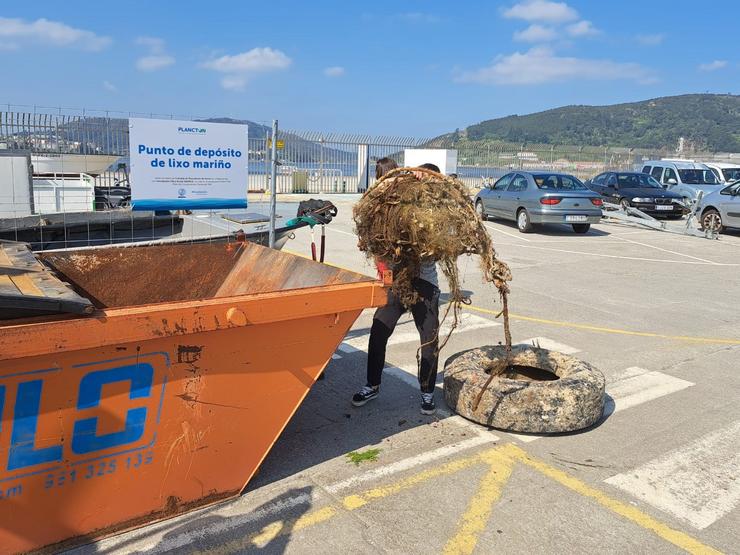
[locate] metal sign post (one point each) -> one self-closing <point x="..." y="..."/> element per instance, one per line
<point x="273" y="183"/>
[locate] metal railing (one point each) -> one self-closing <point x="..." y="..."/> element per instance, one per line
<point x="72" y="142"/>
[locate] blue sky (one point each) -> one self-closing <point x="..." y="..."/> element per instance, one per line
<point x="392" y="68"/>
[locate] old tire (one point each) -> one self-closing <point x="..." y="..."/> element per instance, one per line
<point x="572" y="402"/>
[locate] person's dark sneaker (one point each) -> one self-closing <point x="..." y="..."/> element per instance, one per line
<point x="367" y="393"/>
<point x="427" y="403"/>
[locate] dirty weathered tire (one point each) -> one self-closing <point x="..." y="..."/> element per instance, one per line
<point x="572" y="402"/>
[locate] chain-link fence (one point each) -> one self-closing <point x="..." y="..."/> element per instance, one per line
<point x="63" y="162"/>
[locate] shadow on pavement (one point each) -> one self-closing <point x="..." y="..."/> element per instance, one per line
<point x="327" y="426"/>
<point x="258" y="531"/>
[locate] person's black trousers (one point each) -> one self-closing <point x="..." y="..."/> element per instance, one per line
<point x="426" y="318"/>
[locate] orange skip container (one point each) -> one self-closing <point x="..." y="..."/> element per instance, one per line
<point x="147" y="409"/>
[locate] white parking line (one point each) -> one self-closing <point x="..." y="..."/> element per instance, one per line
<point x="666" y="250"/>
<point x="507" y="233"/>
<point x="642" y="259"/>
<point x="697" y="483"/>
<point x="641" y="388"/>
<point x="334" y="229"/>
<point x="412" y="462"/>
<point x="634" y="387"/>
<point x="406" y="332"/>
<point x="545" y="343"/>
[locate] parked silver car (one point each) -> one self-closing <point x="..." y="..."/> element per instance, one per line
<point x="721" y="208"/>
<point x="531" y="198"/>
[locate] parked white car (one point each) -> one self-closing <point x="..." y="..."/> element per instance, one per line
<point x="726" y="173"/>
<point x="685" y="177"/>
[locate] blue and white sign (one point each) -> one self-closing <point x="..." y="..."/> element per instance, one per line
<point x="187" y="164"/>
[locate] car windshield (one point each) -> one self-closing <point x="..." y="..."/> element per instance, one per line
<point x="698" y="177"/>
<point x="636" y="180"/>
<point x="731" y="174"/>
<point x="553" y="181"/>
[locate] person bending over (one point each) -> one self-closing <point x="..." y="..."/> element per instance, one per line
<point x="426" y="317"/>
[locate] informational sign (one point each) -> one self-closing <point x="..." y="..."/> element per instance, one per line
<point x="187" y="164"/>
<point x="280" y="144"/>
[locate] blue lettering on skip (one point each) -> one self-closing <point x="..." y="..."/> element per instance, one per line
<point x="22" y="450"/>
<point x="85" y="438"/>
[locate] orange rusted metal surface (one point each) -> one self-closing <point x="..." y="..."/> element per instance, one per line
<point x="138" y="413"/>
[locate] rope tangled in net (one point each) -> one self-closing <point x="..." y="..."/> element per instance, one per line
<point x="405" y="221"/>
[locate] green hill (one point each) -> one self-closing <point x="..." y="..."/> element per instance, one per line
<point x="706" y="121"/>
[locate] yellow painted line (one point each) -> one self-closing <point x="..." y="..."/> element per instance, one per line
<point x="500" y="461"/>
<point x="475" y="519"/>
<point x="588" y="327"/>
<point x="271" y="531"/>
<point x="352" y="502"/>
<point x="643" y="520"/>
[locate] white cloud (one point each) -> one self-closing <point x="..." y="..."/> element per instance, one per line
<point x="536" y="33"/>
<point x="51" y="32"/>
<point x="234" y="82"/>
<point x="713" y="66"/>
<point x="157" y="58"/>
<point x="582" y="29"/>
<point x="541" y="10"/>
<point x="257" y="59"/>
<point x="334" y="71"/>
<point x="541" y="65"/>
<point x="651" y="40"/>
<point x="239" y="67"/>
<point x="154" y="44"/>
<point x="110" y="87"/>
<point x="154" y="62"/>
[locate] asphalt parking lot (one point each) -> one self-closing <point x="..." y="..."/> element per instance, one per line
<point x="656" y="313"/>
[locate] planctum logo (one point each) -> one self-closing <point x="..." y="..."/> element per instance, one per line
<point x="192" y="130"/>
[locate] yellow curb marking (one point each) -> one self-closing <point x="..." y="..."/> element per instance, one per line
<point x="677" y="538"/>
<point x="500" y="461"/>
<point x="575" y="325"/>
<point x="352" y="502"/>
<point x="588" y="327"/>
<point x="474" y="521"/>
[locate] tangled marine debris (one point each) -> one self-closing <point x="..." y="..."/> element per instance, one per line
<point x="404" y="220"/>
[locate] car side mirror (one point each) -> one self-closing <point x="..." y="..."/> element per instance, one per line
<point x="672" y="181"/>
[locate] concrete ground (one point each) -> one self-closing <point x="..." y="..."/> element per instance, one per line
<point x="657" y="313"/>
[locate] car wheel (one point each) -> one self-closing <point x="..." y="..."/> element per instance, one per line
<point x="581" y="228"/>
<point x="479" y="210"/>
<point x="624" y="204"/>
<point x="523" y="221"/>
<point x="711" y="220"/>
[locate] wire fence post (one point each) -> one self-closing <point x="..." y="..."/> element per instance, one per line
<point x="273" y="184"/>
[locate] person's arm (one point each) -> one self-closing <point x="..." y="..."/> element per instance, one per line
<point x="381" y="266"/>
